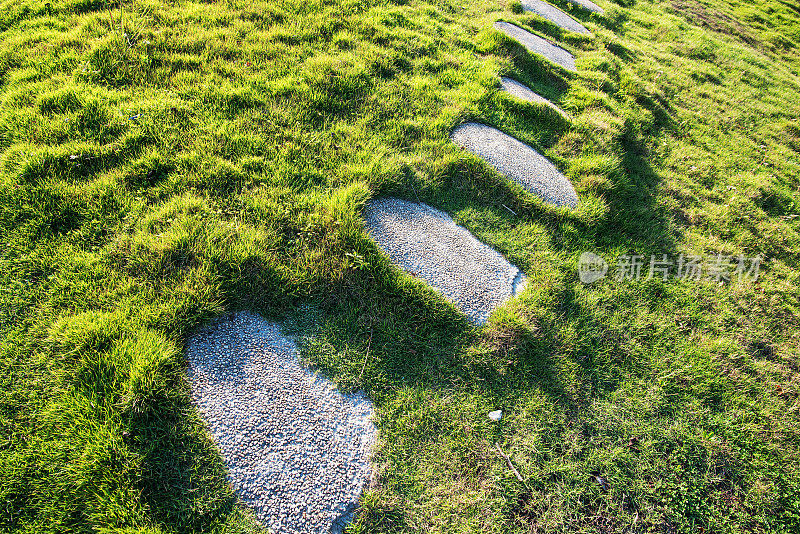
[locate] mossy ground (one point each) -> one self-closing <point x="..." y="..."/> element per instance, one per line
<point x="167" y="162"/>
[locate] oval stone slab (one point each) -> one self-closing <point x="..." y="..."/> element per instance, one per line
<point x="523" y="92"/>
<point x="589" y="6"/>
<point x="297" y="450"/>
<point x="430" y="245"/>
<point x="517" y="161"/>
<point x="537" y="45"/>
<point x="554" y="15"/>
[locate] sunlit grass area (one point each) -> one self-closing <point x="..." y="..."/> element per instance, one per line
<point x="164" y="163"/>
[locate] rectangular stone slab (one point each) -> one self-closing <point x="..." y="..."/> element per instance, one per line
<point x="523" y="92"/>
<point x="554" y="15"/>
<point x="430" y="245"/>
<point x="517" y="161"/>
<point x="537" y="45"/>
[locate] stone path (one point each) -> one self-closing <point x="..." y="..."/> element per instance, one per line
<point x="297" y="450"/>
<point x="589" y="5"/>
<point x="537" y="45"/>
<point x="428" y="244"/>
<point x="523" y="92"/>
<point x="517" y="161"/>
<point x="554" y="15"/>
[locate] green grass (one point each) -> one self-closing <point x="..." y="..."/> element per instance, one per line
<point x="167" y="162"/>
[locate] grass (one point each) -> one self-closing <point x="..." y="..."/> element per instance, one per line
<point x="167" y="162"/>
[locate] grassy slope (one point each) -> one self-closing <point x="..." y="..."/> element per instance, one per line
<point x="163" y="163"/>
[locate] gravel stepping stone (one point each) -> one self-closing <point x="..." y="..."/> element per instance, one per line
<point x="430" y="245"/>
<point x="554" y="15"/>
<point x="297" y="450"/>
<point x="523" y="92"/>
<point x="537" y="45"/>
<point x="589" y="5"/>
<point x="517" y="161"/>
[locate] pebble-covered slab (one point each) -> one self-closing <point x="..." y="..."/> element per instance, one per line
<point x="523" y="92"/>
<point x="296" y="449"/>
<point x="554" y="15"/>
<point x="430" y="245"/>
<point x="517" y="161"/>
<point x="589" y="5"/>
<point x="537" y="45"/>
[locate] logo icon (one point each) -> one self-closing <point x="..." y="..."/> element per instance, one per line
<point x="591" y="267"/>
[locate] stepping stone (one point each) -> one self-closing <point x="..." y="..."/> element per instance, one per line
<point x="523" y="92"/>
<point x="430" y="245"/>
<point x="537" y="45"/>
<point x="554" y="15"/>
<point x="516" y="161"/>
<point x="589" y="6"/>
<point x="297" y="450"/>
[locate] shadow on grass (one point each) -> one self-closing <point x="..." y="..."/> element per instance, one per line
<point x="384" y="338"/>
<point x="183" y="477"/>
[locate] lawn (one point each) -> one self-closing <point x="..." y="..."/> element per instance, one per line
<point x="164" y="163"/>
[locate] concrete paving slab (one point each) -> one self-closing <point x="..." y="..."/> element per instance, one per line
<point x="523" y="92"/>
<point x="554" y="15"/>
<point x="430" y="245"/>
<point x="297" y="450"/>
<point x="537" y="45"/>
<point x="517" y="161"/>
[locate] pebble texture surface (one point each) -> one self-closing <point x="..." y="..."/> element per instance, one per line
<point x="517" y="161"/>
<point x="297" y="450"/>
<point x="554" y="15"/>
<point x="537" y="45"/>
<point x="523" y="92"/>
<point x="589" y="5"/>
<point x="430" y="245"/>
